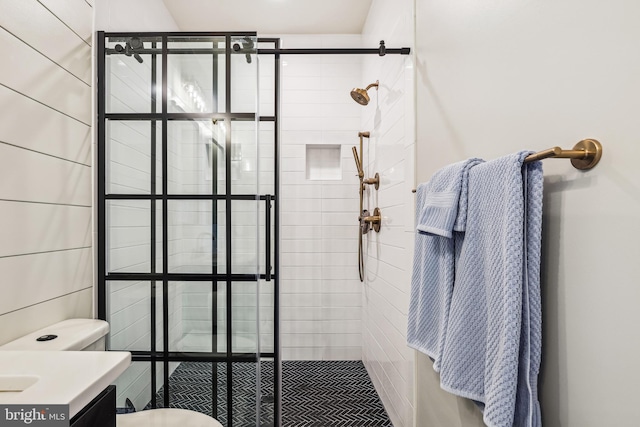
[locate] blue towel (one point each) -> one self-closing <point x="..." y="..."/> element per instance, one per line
<point x="440" y="206"/>
<point x="493" y="340"/>
<point x="444" y="199"/>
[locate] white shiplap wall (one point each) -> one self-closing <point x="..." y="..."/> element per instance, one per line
<point x="45" y="164"/>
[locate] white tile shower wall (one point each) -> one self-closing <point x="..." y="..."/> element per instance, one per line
<point x="45" y="145"/>
<point x="390" y="152"/>
<point x="321" y="293"/>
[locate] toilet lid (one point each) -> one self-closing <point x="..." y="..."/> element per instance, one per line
<point x="166" y="418"/>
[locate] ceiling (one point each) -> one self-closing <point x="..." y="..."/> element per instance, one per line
<point x="271" y="16"/>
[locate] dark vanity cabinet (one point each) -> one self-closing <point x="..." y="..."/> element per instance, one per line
<point x="100" y="412"/>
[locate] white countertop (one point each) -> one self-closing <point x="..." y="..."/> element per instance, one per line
<point x="71" y="378"/>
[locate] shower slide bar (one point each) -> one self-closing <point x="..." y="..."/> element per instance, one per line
<point x="584" y="155"/>
<point x="366" y="222"/>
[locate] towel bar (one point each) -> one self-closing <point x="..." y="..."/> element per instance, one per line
<point x="584" y="155"/>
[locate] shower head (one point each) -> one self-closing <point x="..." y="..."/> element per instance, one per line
<point x="361" y="96"/>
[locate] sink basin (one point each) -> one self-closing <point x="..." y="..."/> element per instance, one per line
<point x="71" y="378"/>
<point x="14" y="384"/>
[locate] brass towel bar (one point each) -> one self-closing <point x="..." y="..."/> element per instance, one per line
<point x="584" y="155"/>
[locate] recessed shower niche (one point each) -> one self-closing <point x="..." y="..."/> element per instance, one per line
<point x="323" y="162"/>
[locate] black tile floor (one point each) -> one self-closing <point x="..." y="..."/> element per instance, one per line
<point x="330" y="393"/>
<point x="314" y="394"/>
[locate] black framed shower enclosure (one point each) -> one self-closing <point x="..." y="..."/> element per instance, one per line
<point x="187" y="222"/>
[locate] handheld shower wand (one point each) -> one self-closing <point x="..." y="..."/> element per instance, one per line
<point x="363" y="226"/>
<point x="358" y="162"/>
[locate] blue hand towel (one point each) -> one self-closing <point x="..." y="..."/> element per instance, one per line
<point x="444" y="198"/>
<point x="439" y="205"/>
<point x="493" y="342"/>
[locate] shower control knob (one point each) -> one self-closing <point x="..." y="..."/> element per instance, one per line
<point x="364" y="225"/>
<point x="374" y="221"/>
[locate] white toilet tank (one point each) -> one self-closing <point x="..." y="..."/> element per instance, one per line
<point x="89" y="334"/>
<point x="68" y="335"/>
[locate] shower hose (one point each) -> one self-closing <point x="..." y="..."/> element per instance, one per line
<point x="360" y="253"/>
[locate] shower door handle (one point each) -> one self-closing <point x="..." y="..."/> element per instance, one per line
<point x="267" y="238"/>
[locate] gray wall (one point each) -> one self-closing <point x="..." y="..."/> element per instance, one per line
<point x="45" y="164"/>
<point x="497" y="77"/>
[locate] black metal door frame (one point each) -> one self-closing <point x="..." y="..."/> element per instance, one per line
<point x="164" y="355"/>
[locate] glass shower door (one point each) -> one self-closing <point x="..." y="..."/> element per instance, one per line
<point x="182" y="226"/>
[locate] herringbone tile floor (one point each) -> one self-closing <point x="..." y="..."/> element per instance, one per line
<point x="314" y="394"/>
<point x="330" y="394"/>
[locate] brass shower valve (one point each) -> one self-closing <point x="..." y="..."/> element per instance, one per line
<point x="375" y="220"/>
<point x="375" y="181"/>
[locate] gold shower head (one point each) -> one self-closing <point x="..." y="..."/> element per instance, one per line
<point x="361" y="96"/>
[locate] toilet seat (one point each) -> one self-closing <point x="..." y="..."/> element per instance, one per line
<point x="162" y="417"/>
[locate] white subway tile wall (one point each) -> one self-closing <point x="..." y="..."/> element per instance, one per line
<point x="391" y="152"/>
<point x="45" y="164"/>
<point x="321" y="296"/>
